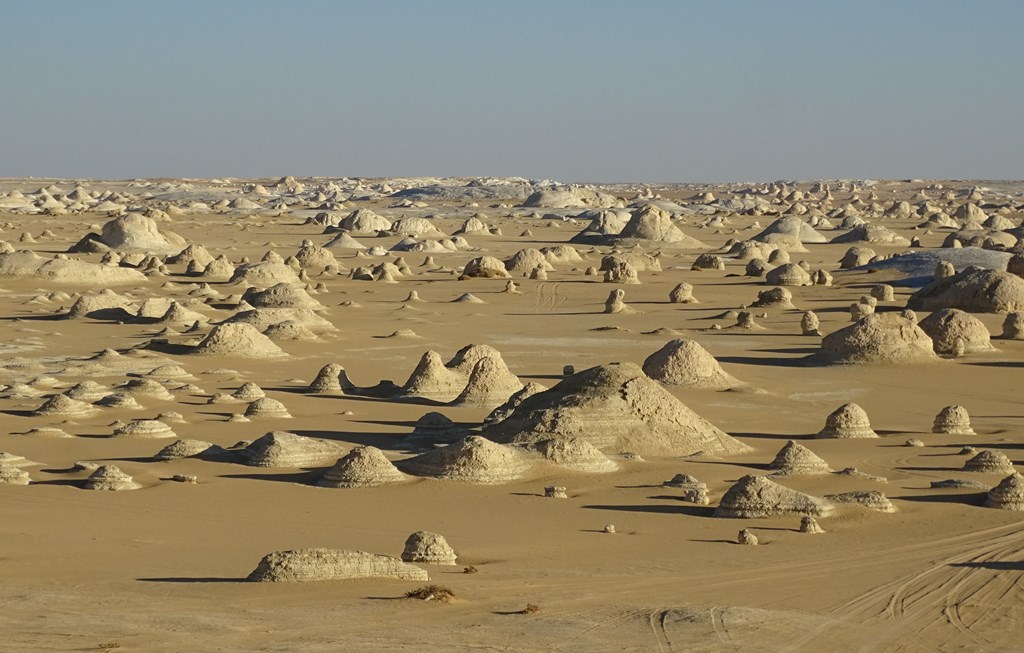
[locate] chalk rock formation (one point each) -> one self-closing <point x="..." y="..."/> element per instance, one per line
<point x="302" y="565"/>
<point x="616" y="408"/>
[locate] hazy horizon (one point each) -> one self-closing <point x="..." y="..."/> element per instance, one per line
<point x="581" y="182"/>
<point x="609" y="92"/>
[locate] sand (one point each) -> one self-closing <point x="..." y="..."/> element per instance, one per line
<point x="162" y="568"/>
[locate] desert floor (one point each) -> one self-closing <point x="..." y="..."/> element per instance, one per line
<point x="162" y="568"/>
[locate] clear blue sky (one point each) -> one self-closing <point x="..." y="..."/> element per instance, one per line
<point x="574" y="90"/>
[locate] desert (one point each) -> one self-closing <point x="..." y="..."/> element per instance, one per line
<point x="531" y="326"/>
<point x="255" y="414"/>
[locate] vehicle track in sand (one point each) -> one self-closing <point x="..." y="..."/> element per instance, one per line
<point x="657" y="620"/>
<point x="548" y="297"/>
<point x="965" y="591"/>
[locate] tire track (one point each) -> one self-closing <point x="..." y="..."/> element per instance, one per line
<point x="606" y="622"/>
<point x="548" y="298"/>
<point x="560" y="298"/>
<point x="656" y="620"/>
<point x="937" y="596"/>
<point x="718" y="625"/>
<point x="934" y="597"/>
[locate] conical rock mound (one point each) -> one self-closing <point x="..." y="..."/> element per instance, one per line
<point x="653" y="225"/>
<point x="466" y="358"/>
<point x="504" y="410"/>
<point x="267" y="407"/>
<point x="953" y="420"/>
<point x="185" y="448"/>
<point x="145" y="428"/>
<point x="432" y="380"/>
<point x="364" y="466"/>
<point x="110" y="477"/>
<point x="847" y="421"/>
<point x="686" y="364"/>
<point x="291" y="330"/>
<point x="490" y="384"/>
<point x="615" y="407"/>
<point x="1008" y="495"/>
<point x="263" y="318"/>
<point x="238" y="340"/>
<point x="146" y="388"/>
<point x="135" y="232"/>
<point x="264" y="274"/>
<point x="87" y="390"/>
<point x="428" y="547"/>
<point x="877" y="338"/>
<point x="754" y="497"/>
<point x="248" y="392"/>
<point x="473" y="460"/>
<point x="576" y="454"/>
<point x="791" y="227"/>
<point x="873" y="234"/>
<point x="63" y="405"/>
<point x="178" y="315"/>
<point x="433" y="429"/>
<point x="989" y="462"/>
<point x="794" y="459"/>
<point x="331" y="378"/>
<point x="283" y="449"/>
<point x="365" y="221"/>
<point x="973" y="290"/>
<point x="955" y="332"/>
<point x="103" y="305"/>
<point x="344" y="240"/>
<point x="281" y="295"/>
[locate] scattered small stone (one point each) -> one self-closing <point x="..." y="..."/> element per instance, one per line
<point x="555" y="492"/>
<point x="809" y="524"/>
<point x="747" y="538"/>
<point x="693" y="490"/>
<point x="853" y="471"/>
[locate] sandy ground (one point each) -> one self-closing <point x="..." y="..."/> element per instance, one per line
<point x="160" y="569"/>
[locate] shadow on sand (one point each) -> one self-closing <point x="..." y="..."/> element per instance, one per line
<point x="691" y="510"/>
<point x="996" y="565"/>
<point x="196" y="579"/>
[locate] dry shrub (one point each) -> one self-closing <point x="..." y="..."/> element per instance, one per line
<point x="432" y="593"/>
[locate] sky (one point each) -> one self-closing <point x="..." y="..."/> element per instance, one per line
<point x="587" y="91"/>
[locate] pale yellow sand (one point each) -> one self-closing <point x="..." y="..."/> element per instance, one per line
<point x="158" y="569"/>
